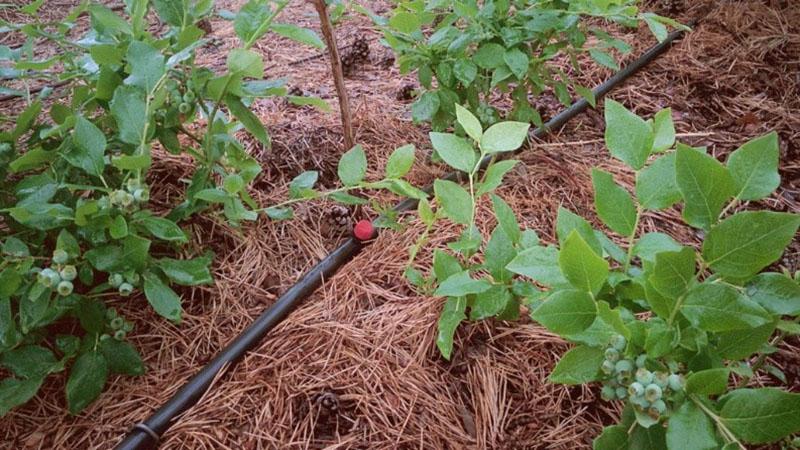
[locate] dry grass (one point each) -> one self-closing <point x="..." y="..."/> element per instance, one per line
<point x="357" y="366"/>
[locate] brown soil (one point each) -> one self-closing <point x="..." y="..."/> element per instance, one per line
<point x="356" y="366"/>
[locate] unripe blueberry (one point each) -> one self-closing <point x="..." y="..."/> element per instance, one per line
<point x="127" y="326"/>
<point x="111" y="313"/>
<point x="644" y="376"/>
<point x="652" y="392"/>
<point x="115" y="280"/>
<point x="675" y="382"/>
<point x="105" y="337"/>
<point x="607" y="367"/>
<point x="125" y="289"/>
<point x="640" y="402"/>
<point x="184" y="108"/>
<point x="608" y="393"/>
<point x="132" y="184"/>
<point x="636" y="389"/>
<point x="622" y="393"/>
<point x="612" y="355"/>
<point x="619" y="342"/>
<point x="656" y="409"/>
<point x="119" y="335"/>
<point x="103" y="202"/>
<point x="661" y="379"/>
<point x="188" y="97"/>
<point x="132" y="278"/>
<point x="69" y="272"/>
<point x="141" y="195"/>
<point x="641" y="360"/>
<point x="45" y="277"/>
<point x="60" y="256"/>
<point x="624" y="367"/>
<point x="118" y="196"/>
<point x="65" y="288"/>
<point x="127" y="200"/>
<point x="117" y="323"/>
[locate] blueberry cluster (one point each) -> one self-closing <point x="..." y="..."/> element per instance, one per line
<point x="60" y="274"/>
<point x="124" y="282"/>
<point x="646" y="390"/>
<point x="134" y="194"/>
<point x="116" y="325"/>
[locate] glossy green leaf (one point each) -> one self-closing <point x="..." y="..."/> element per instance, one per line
<point x="566" y="312"/>
<point x="613" y="203"/>
<point x="708" y="382"/>
<point x="461" y="284"/>
<point x="664" y="130"/>
<point x="454" y="200"/>
<point x="656" y="187"/>
<point x="493" y="177"/>
<point x="776" y="292"/>
<point x="760" y="416"/>
<point x="540" y="264"/>
<point x="470" y="123"/>
<point x="577" y="366"/>
<point x="353" y="166"/>
<point x="581" y="266"/>
<point x="628" y="137"/>
<point x="720" y="307"/>
<point x="298" y="34"/>
<point x="754" y="167"/>
<point x="456" y="151"/>
<point x="400" y="161"/>
<point x="743" y="244"/>
<point x="187" y="272"/>
<point x="451" y="317"/>
<point x="504" y="137"/>
<point x="163" y="299"/>
<point x="705" y="184"/>
<point x="86" y="380"/>
<point x="691" y="429"/>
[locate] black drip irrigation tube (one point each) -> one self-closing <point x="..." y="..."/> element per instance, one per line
<point x="146" y="435"/>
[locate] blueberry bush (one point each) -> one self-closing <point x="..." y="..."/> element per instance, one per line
<point x="74" y="197"/>
<point x="470" y="52"/>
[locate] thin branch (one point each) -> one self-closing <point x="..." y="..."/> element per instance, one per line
<point x="338" y="74"/>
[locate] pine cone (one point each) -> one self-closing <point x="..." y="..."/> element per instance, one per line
<point x="357" y="53"/>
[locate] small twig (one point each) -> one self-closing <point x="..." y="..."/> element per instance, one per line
<point x="336" y="69"/>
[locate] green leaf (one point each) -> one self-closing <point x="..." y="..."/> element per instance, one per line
<point x="673" y="272"/>
<point x="651" y="244"/>
<point x="603" y="58"/>
<point x="405" y="22"/>
<point x="461" y="284"/>
<point x="445" y="265"/>
<point x="118" y="228"/>
<point x="776" y="292"/>
<point x="628" y="137"/>
<point x="612" y="438"/>
<point x="454" y="200"/>
<point x="658" y="29"/>
<point x="164" y="229"/>
<point x="400" y="161"/>
<point x="719" y="307"/>
<point x="30" y="361"/>
<point x="586" y="93"/>
<point x="539" y="264"/>
<point x="135" y="252"/>
<point x="106" y="21"/>
<point x="89" y="145"/>
<point x="465" y="71"/>
<point x="246" y="63"/>
<point x="454" y="150"/>
<point x="316" y="102"/>
<point x="663" y="130"/>
<point x="353" y="166"/>
<point x="301" y="186"/>
<point x="656" y="187"/>
<point x="691" y="429"/>
<point x="233" y="183"/>
<point x="147" y="66"/>
<point x="275" y="213"/>
<point x="163" y="299"/>
<point x="489" y="56"/>
<point x="493" y="177"/>
<point x="743" y="244"/>
<point x="499" y="251"/>
<point x="426" y="106"/>
<point x="578" y="366"/>
<point x="129" y="111"/>
<point x="187" y="272"/>
<point x="517" y="61"/>
<point x="451" y="317"/>
<point x="613" y="203"/>
<point x="506" y="218"/>
<point x="249" y="20"/>
<point x="470" y="123"/>
<point x="132" y="162"/>
<point x="566" y="312"/>
<point x="86" y="380"/>
<point x="213" y="195"/>
<point x="567" y="222"/>
<point x="504" y="137"/>
<point x="760" y="416"/>
<point x="121" y="357"/>
<point x="172" y="12"/>
<point x="298" y="34"/>
<point x="15" y="392"/>
<point x="754" y="167"/>
<point x="705" y="184"/>
<point x="740" y="344"/>
<point x="250" y="121"/>
<point x="708" y="382"/>
<point x="490" y="302"/>
<point x="581" y="266"/>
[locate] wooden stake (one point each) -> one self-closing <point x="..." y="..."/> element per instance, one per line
<point x="338" y="74"/>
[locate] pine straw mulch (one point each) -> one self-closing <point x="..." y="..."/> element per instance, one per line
<point x="356" y="366"/>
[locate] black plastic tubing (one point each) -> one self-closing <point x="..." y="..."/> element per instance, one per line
<point x="146" y="435"/>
